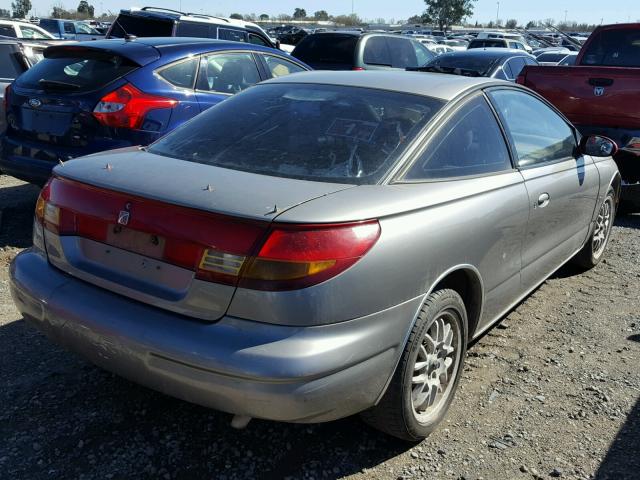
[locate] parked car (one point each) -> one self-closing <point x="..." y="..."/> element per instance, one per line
<point x="301" y="251"/>
<point x="162" y="22"/>
<point x="356" y="51"/>
<point x="506" y="36"/>
<point x="17" y="29"/>
<point x="602" y="96"/>
<point x="496" y="43"/>
<point x="15" y="58"/>
<point x="457" y="44"/>
<point x="290" y="35"/>
<point x="569" y="60"/>
<point x="500" y="63"/>
<point x="70" y="29"/>
<point x="551" y="59"/>
<point x="96" y="96"/>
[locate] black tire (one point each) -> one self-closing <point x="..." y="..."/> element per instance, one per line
<point x="592" y="253"/>
<point x="395" y="413"/>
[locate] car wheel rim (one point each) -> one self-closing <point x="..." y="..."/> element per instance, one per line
<point x="603" y="227"/>
<point x="435" y="366"/>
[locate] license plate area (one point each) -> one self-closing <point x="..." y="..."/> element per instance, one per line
<point x="49" y="123"/>
<point x="135" y="241"/>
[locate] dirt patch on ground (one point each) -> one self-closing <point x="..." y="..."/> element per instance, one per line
<point x="553" y="391"/>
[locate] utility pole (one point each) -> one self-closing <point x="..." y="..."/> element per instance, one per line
<point x="498" y="14"/>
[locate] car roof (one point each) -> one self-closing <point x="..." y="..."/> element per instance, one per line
<point x="436" y="85"/>
<point x="489" y="52"/>
<point x="192" y="17"/>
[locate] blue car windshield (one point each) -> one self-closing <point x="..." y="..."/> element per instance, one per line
<point x="306" y="131"/>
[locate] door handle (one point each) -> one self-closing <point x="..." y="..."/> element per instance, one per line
<point x="543" y="200"/>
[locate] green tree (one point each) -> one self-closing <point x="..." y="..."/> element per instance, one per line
<point x="531" y="24"/>
<point x="300" y="14"/>
<point x="4" y="13"/>
<point x="416" y="19"/>
<point x="447" y="12"/>
<point x="85" y="10"/>
<point x="352" y="20"/>
<point x="511" y="24"/>
<point x="236" y="16"/>
<point x="321" y="15"/>
<point x="264" y="17"/>
<point x="21" y="8"/>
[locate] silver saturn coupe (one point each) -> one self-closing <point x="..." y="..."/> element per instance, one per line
<point x="320" y="245"/>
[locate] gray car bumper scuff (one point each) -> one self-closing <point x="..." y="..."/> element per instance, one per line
<point x="294" y="374"/>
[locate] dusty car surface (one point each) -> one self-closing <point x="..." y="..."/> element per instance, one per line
<point x="330" y="248"/>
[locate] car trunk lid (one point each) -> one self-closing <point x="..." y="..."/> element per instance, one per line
<point x="176" y="240"/>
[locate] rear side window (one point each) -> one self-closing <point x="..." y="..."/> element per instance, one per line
<point x="470" y="143"/>
<point x="515" y="66"/>
<point x="7" y="31"/>
<point x="141" y="26"/>
<point x="232" y="35"/>
<point x="10" y="66"/>
<point x="327" y="49"/>
<point x="323" y="133"/>
<point x="196" y="29"/>
<point x="60" y="72"/>
<point x="614" y="48"/>
<point x="181" y="74"/>
<point x="258" y="40"/>
<point x="50" y="26"/>
<point x="376" y="52"/>
<point x="69" y="28"/>
<point x="402" y="53"/>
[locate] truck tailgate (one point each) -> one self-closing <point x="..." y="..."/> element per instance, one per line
<point x="596" y="96"/>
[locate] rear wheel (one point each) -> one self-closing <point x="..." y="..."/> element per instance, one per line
<point x="594" y="249"/>
<point x="427" y="376"/>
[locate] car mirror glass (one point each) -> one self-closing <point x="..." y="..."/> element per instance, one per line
<point x="598" y="146"/>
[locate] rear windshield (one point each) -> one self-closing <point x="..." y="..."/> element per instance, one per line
<point x="140" y="26"/>
<point x="488" y="43"/>
<point x="74" y="72"/>
<point x="614" y="48"/>
<point x="482" y="65"/>
<point x="551" y="57"/>
<point x="313" y="132"/>
<point x="328" y="49"/>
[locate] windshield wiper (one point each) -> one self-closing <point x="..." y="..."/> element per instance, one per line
<point x="55" y="84"/>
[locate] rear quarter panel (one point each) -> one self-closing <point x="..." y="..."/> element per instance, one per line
<point x="426" y="230"/>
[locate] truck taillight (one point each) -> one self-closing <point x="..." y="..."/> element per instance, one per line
<point x="127" y="107"/>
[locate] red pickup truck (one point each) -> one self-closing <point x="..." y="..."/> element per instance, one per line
<point x="601" y="95"/>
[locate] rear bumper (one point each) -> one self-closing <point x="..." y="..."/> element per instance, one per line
<point x="294" y="374"/>
<point x="33" y="161"/>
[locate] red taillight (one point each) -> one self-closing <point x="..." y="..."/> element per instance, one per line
<point x="357" y="69"/>
<point x="299" y="256"/>
<point x="127" y="106"/>
<point x="217" y="248"/>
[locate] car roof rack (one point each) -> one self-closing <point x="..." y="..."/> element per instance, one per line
<point x="202" y="15"/>
<point x="161" y="9"/>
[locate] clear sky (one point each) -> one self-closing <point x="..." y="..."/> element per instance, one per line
<point x="590" y="11"/>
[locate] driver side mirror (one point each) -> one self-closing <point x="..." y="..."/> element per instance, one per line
<point x="598" y="146"/>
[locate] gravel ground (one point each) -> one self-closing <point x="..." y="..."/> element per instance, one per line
<point x="553" y="391"/>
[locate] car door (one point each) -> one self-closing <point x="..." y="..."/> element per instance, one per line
<point x="223" y="74"/>
<point x="485" y="222"/>
<point x="562" y="185"/>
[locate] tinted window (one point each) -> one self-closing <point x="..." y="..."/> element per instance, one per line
<point x="29" y="32"/>
<point x="68" y="28"/>
<point x="615" y="48"/>
<point x="279" y="66"/>
<point x="487" y="43"/>
<point x="75" y="73"/>
<point x="232" y="35"/>
<point x="315" y="132"/>
<point x="482" y="65"/>
<point x="10" y="66"/>
<point x="182" y="74"/>
<point x="423" y="54"/>
<point x="84" y="28"/>
<point x="551" y="57"/>
<point x="515" y="66"/>
<point x="7" y="31"/>
<point x="376" y="52"/>
<point x="194" y="29"/>
<point x="258" y="40"/>
<point x="530" y="61"/>
<point x="338" y="49"/>
<point x="141" y="26"/>
<point x="50" y="26"/>
<point x="470" y="143"/>
<point x="402" y="53"/>
<point x="227" y="72"/>
<point x="538" y="134"/>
